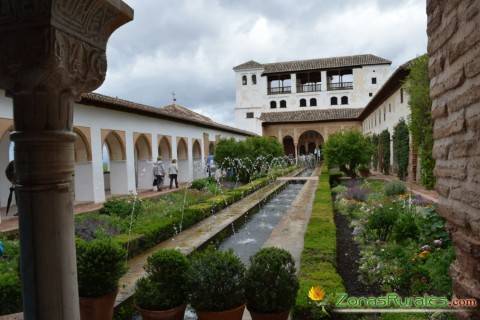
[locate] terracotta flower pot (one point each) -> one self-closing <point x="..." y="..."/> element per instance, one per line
<point x="232" y="314"/>
<point x="269" y="316"/>
<point x="170" y="314"/>
<point x="100" y="308"/>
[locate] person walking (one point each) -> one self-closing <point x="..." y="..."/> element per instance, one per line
<point x="158" y="174"/>
<point x="173" y="173"/>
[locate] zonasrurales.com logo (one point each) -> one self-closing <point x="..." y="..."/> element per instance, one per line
<point x="388" y="303"/>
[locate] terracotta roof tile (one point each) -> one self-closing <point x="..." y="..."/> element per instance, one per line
<point x="170" y="112"/>
<point x="314" y="64"/>
<point x="311" y="115"/>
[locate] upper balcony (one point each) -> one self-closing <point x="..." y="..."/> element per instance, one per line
<point x="339" y="86"/>
<point x="279" y="90"/>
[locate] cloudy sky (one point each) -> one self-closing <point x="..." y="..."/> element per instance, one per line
<point x="190" y="46"/>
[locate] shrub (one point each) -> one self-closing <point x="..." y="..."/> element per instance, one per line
<point x="357" y="193"/>
<point x="405" y="228"/>
<point x="384" y="151"/>
<point x="203" y="184"/>
<point x="348" y="150"/>
<point x="217" y="281"/>
<point x="89" y="226"/>
<point x="270" y="283"/>
<point x="101" y="263"/>
<point x="123" y="207"/>
<point x="10" y="293"/>
<point x="394" y="188"/>
<point x="381" y="222"/>
<point x="166" y="283"/>
<point x="401" y="148"/>
<point x="339" y="189"/>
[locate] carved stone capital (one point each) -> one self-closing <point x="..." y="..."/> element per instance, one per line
<point x="56" y="44"/>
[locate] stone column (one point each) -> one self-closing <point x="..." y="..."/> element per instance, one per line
<point x="52" y="51"/>
<point x="454" y="69"/>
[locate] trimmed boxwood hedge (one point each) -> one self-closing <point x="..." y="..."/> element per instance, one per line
<point x="319" y="254"/>
<point x="164" y="229"/>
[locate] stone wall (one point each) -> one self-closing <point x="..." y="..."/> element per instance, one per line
<point x="454" y="49"/>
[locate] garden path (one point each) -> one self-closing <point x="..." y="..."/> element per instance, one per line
<point x="430" y="195"/>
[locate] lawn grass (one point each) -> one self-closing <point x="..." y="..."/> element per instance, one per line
<point x="319" y="254"/>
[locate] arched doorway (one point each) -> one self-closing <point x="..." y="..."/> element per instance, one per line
<point x="211" y="148"/>
<point x="289" y="146"/>
<point x="197" y="160"/>
<point x="114" y="164"/>
<point x="143" y="163"/>
<point x="182" y="159"/>
<point x="83" y="176"/>
<point x="308" y="141"/>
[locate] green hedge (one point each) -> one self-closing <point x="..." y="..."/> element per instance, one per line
<point x="319" y="254"/>
<point x="164" y="229"/>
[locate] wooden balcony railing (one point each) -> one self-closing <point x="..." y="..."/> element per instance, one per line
<point x="310" y="87"/>
<point x="340" y="86"/>
<point x="280" y="90"/>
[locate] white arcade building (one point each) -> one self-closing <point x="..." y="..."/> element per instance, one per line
<point x="118" y="140"/>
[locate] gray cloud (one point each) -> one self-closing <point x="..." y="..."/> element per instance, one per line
<point x="190" y="46"/>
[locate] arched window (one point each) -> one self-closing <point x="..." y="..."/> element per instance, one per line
<point x="254" y="79"/>
<point x="334" y="101"/>
<point x="313" y="102"/>
<point x="303" y="102"/>
<point x="244" y="80"/>
<point x="273" y="104"/>
<point x="344" y="100"/>
<point x="283" y="104"/>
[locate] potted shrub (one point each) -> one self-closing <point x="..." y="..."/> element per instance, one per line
<point x="364" y="171"/>
<point x="101" y="263"/>
<point x="217" y="281"/>
<point x="163" y="293"/>
<point x="271" y="284"/>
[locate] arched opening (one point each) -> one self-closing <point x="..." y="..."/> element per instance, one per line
<point x="6" y="155"/>
<point x="83" y="176"/>
<point x="211" y="148"/>
<point x="303" y="102"/>
<point x="114" y="164"/>
<point x="254" y="79"/>
<point x="344" y="100"/>
<point x="143" y="163"/>
<point x="289" y="146"/>
<point x="309" y="141"/>
<point x="283" y="104"/>
<point x="333" y="101"/>
<point x="273" y="104"/>
<point x="244" y="80"/>
<point x="197" y="160"/>
<point x="182" y="159"/>
<point x="313" y="102"/>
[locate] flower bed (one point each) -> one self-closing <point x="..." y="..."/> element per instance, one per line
<point x="404" y="247"/>
<point x="319" y="255"/>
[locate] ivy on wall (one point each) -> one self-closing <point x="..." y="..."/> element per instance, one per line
<point x="401" y="147"/>
<point x="421" y="125"/>
<point x="384" y="151"/>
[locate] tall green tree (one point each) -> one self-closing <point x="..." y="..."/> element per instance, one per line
<point x="401" y="147"/>
<point x="421" y="123"/>
<point x="384" y="151"/>
<point x="348" y="150"/>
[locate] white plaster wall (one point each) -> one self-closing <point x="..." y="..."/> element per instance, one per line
<point x="83" y="182"/>
<point x="119" y="178"/>
<point x="254" y="98"/>
<point x="144" y="174"/>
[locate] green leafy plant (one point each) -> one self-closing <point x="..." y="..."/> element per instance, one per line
<point x="382" y="221"/>
<point x="166" y="283"/>
<point x="270" y="283"/>
<point x="394" y="188"/>
<point x="384" y="151"/>
<point x="101" y="263"/>
<point x="417" y="86"/>
<point x="401" y="148"/>
<point x="123" y="207"/>
<point x="405" y="228"/>
<point x="217" y="280"/>
<point x="348" y="150"/>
